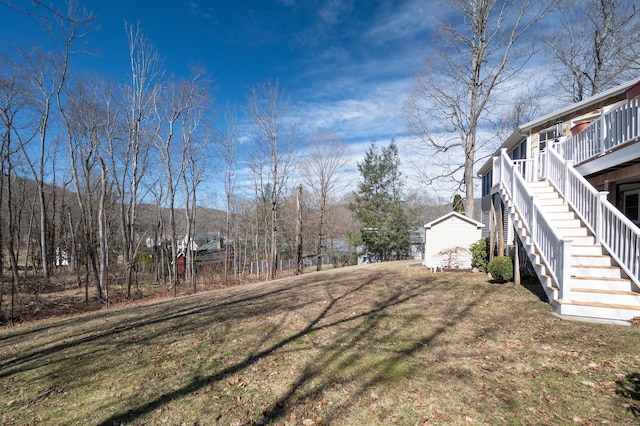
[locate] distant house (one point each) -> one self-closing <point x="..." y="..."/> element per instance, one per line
<point x="447" y="241"/>
<point x="206" y="247"/>
<point x="213" y="251"/>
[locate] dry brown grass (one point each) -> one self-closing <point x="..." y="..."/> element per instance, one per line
<point x="379" y="344"/>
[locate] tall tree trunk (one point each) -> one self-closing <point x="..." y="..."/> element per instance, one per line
<point x="321" y="242"/>
<point x="273" y="258"/>
<point x="11" y="243"/>
<point x="299" y="258"/>
<point x="43" y="215"/>
<point x="103" y="260"/>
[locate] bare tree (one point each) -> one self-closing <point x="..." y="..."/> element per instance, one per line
<point x="48" y="73"/>
<point x="172" y="152"/>
<point x="129" y="159"/>
<point x="274" y="134"/>
<point x="103" y="245"/>
<point x="321" y="170"/>
<point x="478" y="53"/>
<point x="595" y="45"/>
<point x="194" y="145"/>
<point x="85" y="125"/>
<point x="260" y="212"/>
<point x="11" y="103"/>
<point x="228" y="148"/>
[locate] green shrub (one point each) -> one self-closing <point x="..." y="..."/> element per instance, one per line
<point x="501" y="268"/>
<point x="480" y="254"/>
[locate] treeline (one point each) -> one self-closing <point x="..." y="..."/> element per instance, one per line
<point x="100" y="176"/>
<point x="80" y="155"/>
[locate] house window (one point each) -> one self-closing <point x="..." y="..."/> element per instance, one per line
<point x="547" y="136"/>
<point x="487" y="183"/>
<point x="632" y="205"/>
<point x="519" y="152"/>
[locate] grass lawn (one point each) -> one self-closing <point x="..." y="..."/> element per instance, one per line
<point x="377" y="344"/>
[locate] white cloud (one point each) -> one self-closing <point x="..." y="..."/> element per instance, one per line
<point x="412" y="19"/>
<point x="333" y="11"/>
<point x="374" y="113"/>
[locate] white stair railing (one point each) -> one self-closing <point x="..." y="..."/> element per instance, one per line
<point x="554" y="251"/>
<point x="612" y="229"/>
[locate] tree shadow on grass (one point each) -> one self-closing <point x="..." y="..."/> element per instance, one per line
<point x="199" y="383"/>
<point x="155" y="314"/>
<point x="379" y="372"/>
<point x="344" y="353"/>
<point x="629" y="389"/>
<point x="324" y="303"/>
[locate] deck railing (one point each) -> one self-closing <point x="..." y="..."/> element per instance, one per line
<point x="554" y="251"/>
<point x="526" y="168"/>
<point x="608" y="131"/>
<point x="612" y="229"/>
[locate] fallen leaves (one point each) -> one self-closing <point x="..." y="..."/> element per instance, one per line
<point x="273" y="355"/>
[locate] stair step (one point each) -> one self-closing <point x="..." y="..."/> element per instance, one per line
<point x="605" y="284"/>
<point x="596" y="271"/>
<point x="572" y="232"/>
<point x="586" y="250"/>
<point x="581" y="240"/>
<point x="580" y="259"/>
<point x="555" y="208"/>
<point x="600" y="291"/>
<point x="606" y="305"/>
<point x="579" y="277"/>
<point x="551" y="201"/>
<point x="540" y="269"/>
<point x="547" y="196"/>
<point x="612" y="311"/>
<point x="628" y="298"/>
<point x="539" y="183"/>
<point x="564" y="215"/>
<point x="567" y="223"/>
<point x="537" y="189"/>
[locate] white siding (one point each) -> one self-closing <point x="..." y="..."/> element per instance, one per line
<point x="448" y="235"/>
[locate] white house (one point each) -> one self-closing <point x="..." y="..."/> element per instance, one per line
<point x="448" y="239"/>
<point x="566" y="188"/>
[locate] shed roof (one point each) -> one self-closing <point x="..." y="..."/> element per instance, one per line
<point x="457" y="215"/>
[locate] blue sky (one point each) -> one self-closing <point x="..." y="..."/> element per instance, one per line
<point x="348" y="65"/>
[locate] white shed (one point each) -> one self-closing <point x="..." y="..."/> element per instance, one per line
<point x="447" y="241"/>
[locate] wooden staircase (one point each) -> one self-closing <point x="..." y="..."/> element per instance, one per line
<point x="598" y="287"/>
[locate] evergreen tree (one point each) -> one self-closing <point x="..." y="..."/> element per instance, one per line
<point x="379" y="206"/>
<point x="458" y="204"/>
